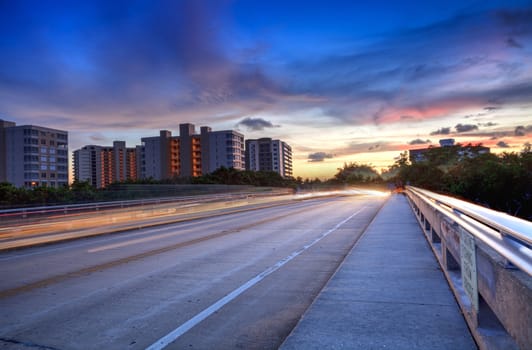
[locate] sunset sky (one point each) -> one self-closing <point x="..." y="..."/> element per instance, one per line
<point x="340" y="81"/>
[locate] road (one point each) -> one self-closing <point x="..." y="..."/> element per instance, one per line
<point x="240" y="280"/>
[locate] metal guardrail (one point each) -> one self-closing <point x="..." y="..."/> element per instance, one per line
<point x="34" y="212"/>
<point x="486" y="257"/>
<point x="511" y="237"/>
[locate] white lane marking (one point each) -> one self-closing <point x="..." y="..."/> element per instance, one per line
<point x="185" y="327"/>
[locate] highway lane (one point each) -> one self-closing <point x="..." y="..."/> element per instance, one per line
<point x="234" y="281"/>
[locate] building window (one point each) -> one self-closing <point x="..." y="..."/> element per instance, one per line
<point x="44" y="167"/>
<point x="43" y="175"/>
<point x="29" y="149"/>
<point x="44" y="150"/>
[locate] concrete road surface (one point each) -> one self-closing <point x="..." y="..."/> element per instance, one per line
<point x="235" y="281"/>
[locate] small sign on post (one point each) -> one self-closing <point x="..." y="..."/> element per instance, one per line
<point x="468" y="263"/>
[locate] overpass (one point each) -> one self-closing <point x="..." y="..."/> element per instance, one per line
<point x="362" y="276"/>
<point x="390" y="293"/>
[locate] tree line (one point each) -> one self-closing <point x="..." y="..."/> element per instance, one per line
<point x="82" y="191"/>
<point x="499" y="181"/>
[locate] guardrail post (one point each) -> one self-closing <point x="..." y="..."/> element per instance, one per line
<point x="428" y="227"/>
<point x="449" y="261"/>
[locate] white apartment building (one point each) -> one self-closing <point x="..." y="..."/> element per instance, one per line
<point x="33" y="155"/>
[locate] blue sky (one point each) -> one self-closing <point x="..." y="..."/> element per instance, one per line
<point x="340" y="81"/>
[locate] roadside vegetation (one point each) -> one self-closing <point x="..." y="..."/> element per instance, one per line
<point x="499" y="181"/>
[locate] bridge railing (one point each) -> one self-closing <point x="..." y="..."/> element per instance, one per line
<point x="30" y="214"/>
<point x="487" y="258"/>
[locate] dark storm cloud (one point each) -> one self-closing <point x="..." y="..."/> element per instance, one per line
<point x="319" y="156"/>
<point x="511" y="42"/>
<point x="419" y="142"/>
<point x="153" y="58"/>
<point x="441" y="131"/>
<point x="502" y="144"/>
<point x="523" y="130"/>
<point x="256" y="124"/>
<point x="465" y="127"/>
<point x="519" y="21"/>
<point x="139" y="60"/>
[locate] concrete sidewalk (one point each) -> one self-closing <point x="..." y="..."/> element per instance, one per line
<point x="389" y="293"/>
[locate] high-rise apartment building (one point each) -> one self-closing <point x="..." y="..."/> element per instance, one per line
<point x="161" y="157"/>
<point x="265" y="154"/>
<point x="158" y="156"/>
<point x="190" y="154"/>
<point x="33" y="155"/>
<point x="103" y="165"/>
<point x="222" y="149"/>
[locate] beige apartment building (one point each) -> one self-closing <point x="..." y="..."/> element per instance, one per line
<point x="161" y="157"/>
<point x="103" y="165"/>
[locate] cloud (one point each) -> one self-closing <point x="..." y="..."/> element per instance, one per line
<point x="97" y="137"/>
<point x="162" y="63"/>
<point x="511" y="42"/>
<point x="419" y="142"/>
<point x="491" y="108"/>
<point x="465" y="127"/>
<point x="522" y="130"/>
<point x="488" y="124"/>
<point x="152" y="60"/>
<point x="404" y="75"/>
<point x="319" y="156"/>
<point x="442" y="131"/>
<point x="256" y="124"/>
<point x="502" y="144"/>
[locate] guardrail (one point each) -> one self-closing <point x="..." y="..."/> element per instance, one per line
<point x="487" y="258"/>
<point x="36" y="213"/>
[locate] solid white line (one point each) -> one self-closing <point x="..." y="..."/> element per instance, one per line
<point x="185" y="327"/>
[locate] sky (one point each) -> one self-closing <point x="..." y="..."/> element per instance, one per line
<point x="340" y="81"/>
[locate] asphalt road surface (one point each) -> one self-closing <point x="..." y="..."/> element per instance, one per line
<point x="227" y="282"/>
